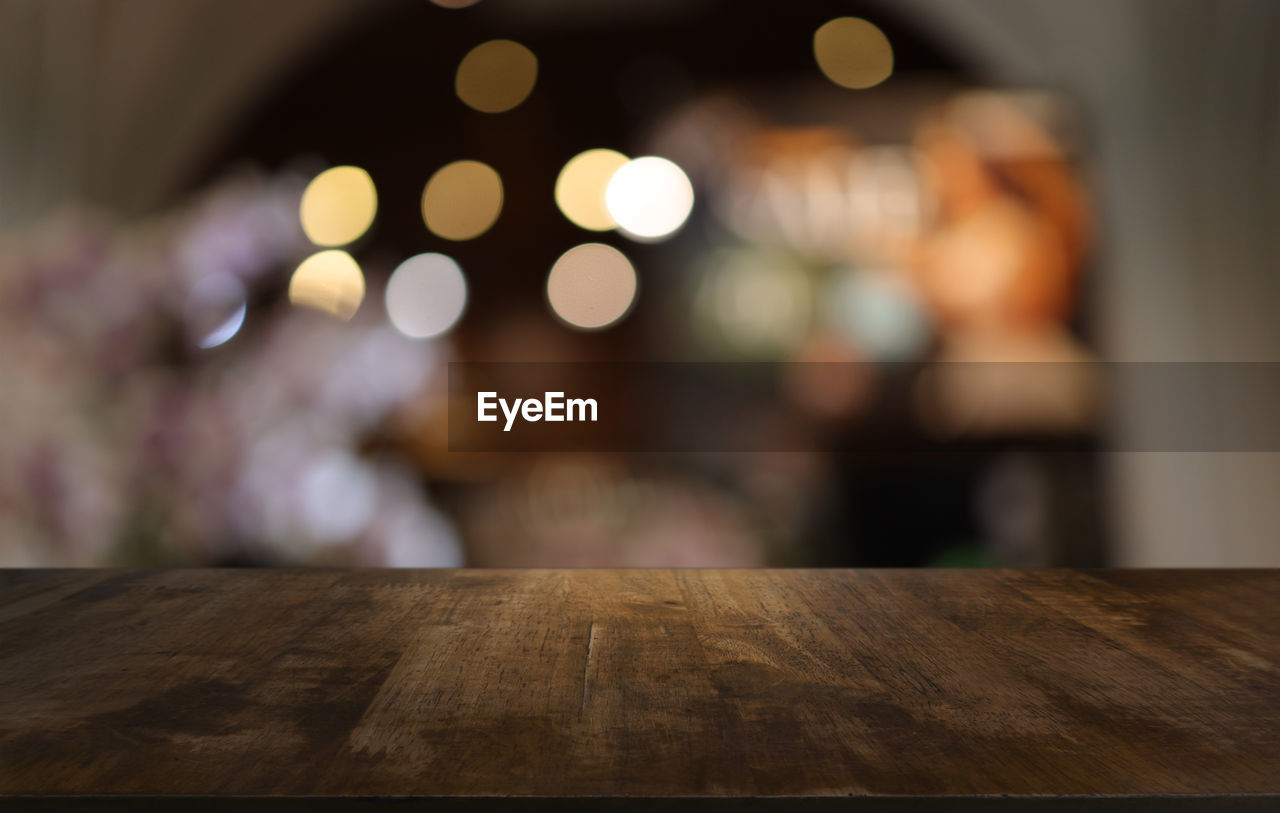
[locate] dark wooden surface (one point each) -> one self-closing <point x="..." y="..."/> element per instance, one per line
<point x="640" y="683"/>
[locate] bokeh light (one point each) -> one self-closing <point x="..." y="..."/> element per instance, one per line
<point x="752" y="304"/>
<point x="337" y="496"/>
<point x="591" y="286"/>
<point x="878" y="313"/>
<point x="650" y="198"/>
<point x="496" y="76"/>
<point x="215" y="309"/>
<point x="426" y="295"/>
<point x="338" y="206"/>
<point x="580" y="188"/>
<point x="330" y="281"/>
<point x="853" y="53"/>
<point x="455" y="3"/>
<point x="462" y="200"/>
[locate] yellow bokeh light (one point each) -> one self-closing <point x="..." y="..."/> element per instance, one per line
<point x="496" y="76"/>
<point x="462" y="200"/>
<point x="581" y="185"/>
<point x="591" y="286"/>
<point x="330" y="281"/>
<point x="338" y="206"/>
<point x="853" y="53"/>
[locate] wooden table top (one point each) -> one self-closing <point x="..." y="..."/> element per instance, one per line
<point x="639" y="683"/>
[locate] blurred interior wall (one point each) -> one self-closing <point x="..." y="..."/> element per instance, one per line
<point x="117" y="101"/>
<point x="1183" y="104"/>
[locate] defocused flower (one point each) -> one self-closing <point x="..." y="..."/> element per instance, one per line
<point x="119" y="442"/>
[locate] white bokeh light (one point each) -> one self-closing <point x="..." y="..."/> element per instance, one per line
<point x="426" y="295"/>
<point x="337" y="496"/>
<point x="215" y="309"/>
<point x="650" y="198"/>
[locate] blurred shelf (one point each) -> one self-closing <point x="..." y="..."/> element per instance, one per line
<point x="523" y="690"/>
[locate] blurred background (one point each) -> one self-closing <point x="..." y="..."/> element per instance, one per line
<point x="240" y="242"/>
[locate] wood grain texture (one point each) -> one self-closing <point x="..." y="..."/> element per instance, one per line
<point x="666" y="683"/>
